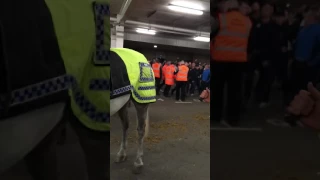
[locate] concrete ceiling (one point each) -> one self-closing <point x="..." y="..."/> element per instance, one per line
<point x="156" y="12"/>
<point x="148" y="46"/>
<point x="294" y="3"/>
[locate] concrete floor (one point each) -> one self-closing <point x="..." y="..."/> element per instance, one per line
<point x="273" y="153"/>
<point x="177" y="148"/>
<point x="268" y="155"/>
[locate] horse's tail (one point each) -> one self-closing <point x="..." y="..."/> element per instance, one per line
<point x="146" y="132"/>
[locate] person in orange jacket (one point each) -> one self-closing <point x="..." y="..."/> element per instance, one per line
<point x="156" y="67"/>
<point x="169" y="77"/>
<point x="181" y="81"/>
<point x="306" y="104"/>
<point x="163" y="70"/>
<point x="164" y="67"/>
<point x="227" y="61"/>
<point x="173" y="90"/>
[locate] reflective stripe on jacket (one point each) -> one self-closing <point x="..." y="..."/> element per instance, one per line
<point x="164" y="71"/>
<point x="182" y="75"/>
<point x="169" y="80"/>
<point x="156" y="69"/>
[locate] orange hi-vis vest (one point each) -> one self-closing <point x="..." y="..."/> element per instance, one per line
<point x="164" y="71"/>
<point x="156" y="69"/>
<point x="230" y="44"/>
<point x="182" y="75"/>
<point x="169" y="80"/>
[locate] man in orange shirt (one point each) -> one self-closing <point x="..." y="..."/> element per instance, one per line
<point x="181" y="81"/>
<point x="163" y="77"/>
<point x="228" y="56"/>
<point x="169" y="71"/>
<point x="156" y="67"/>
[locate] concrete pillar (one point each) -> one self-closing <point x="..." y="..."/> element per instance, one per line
<point x="113" y="40"/>
<point x="117" y="37"/>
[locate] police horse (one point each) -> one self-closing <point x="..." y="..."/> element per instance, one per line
<point x="120" y="103"/>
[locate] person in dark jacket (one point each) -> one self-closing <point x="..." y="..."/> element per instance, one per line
<point x="306" y="65"/>
<point x="280" y="50"/>
<point x="199" y="73"/>
<point x="193" y="77"/>
<point x="205" y="78"/>
<point x="262" y="43"/>
<point x="251" y="65"/>
<point x="293" y="30"/>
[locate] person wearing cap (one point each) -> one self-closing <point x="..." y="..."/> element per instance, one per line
<point x="181" y="81"/>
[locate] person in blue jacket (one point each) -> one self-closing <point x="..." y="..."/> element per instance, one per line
<point x="306" y="64"/>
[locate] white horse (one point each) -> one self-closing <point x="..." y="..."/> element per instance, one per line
<point x="121" y="105"/>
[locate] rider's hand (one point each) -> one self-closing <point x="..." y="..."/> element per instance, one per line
<point x="307" y="105"/>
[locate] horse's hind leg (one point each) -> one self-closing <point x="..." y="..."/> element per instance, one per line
<point x="142" y="128"/>
<point x="124" y="116"/>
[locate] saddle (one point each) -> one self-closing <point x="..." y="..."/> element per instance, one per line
<point x="29" y="55"/>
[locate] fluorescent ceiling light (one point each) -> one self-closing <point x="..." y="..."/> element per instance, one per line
<point x="185" y="10"/>
<point x="146" y="31"/>
<point x="187" y="4"/>
<point x="201" y="38"/>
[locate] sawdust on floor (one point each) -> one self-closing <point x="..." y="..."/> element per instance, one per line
<point x="174" y="128"/>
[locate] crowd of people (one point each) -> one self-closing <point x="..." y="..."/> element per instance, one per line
<point x="274" y="42"/>
<point x="181" y="78"/>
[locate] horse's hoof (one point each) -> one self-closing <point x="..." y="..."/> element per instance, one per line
<point x="120" y="159"/>
<point x="137" y="169"/>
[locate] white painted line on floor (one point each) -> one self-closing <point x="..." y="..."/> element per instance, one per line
<point x="183" y="102"/>
<point x="278" y="123"/>
<point x="318" y="136"/>
<point x="236" y="129"/>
